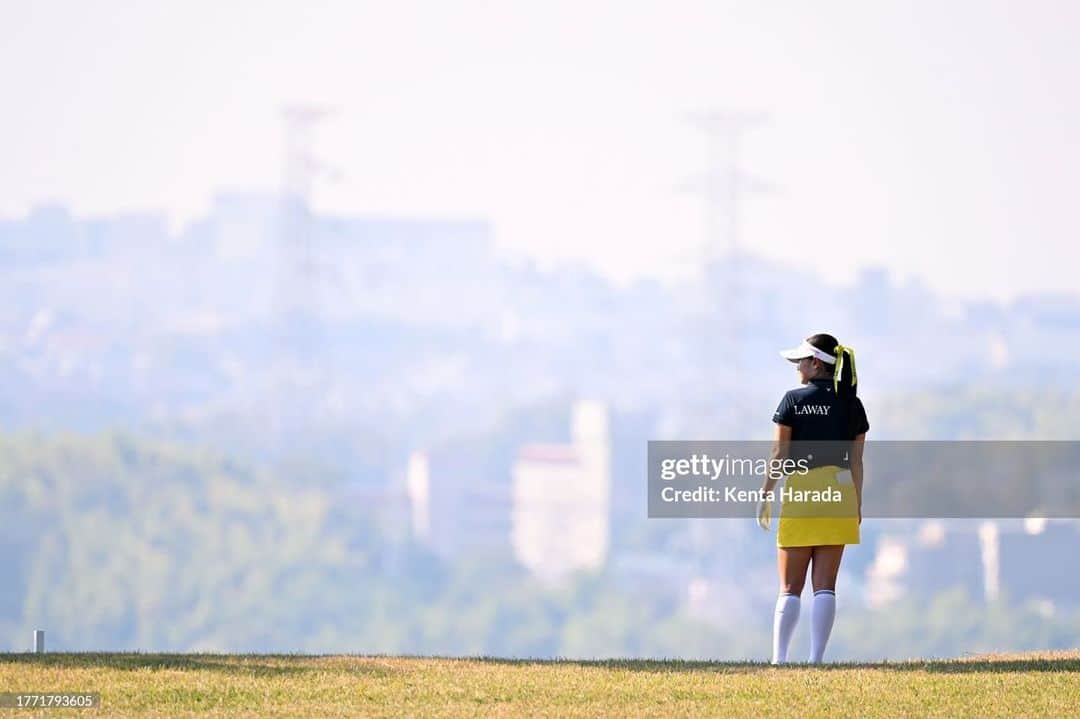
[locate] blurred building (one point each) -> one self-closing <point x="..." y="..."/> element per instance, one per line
<point x="925" y="560"/>
<point x="993" y="559"/>
<point x="457" y="507"/>
<point x="1031" y="563"/>
<point x="418" y="490"/>
<point x="562" y="498"/>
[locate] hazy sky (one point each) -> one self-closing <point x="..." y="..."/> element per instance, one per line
<point x="941" y="140"/>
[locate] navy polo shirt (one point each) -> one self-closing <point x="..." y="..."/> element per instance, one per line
<point x="816" y="414"/>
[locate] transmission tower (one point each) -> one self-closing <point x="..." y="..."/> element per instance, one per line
<point x="722" y="187"/>
<point x="719" y="328"/>
<point x="300" y="167"/>
<point x="298" y="293"/>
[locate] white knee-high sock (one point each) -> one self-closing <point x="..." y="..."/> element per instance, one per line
<point x="821" y="620"/>
<point x="787" y="615"/>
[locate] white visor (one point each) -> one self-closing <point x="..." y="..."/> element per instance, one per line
<point x="805" y="350"/>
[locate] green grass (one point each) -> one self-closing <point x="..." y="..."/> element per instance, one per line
<point x="174" y="685"/>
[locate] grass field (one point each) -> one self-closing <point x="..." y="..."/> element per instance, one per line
<point x="173" y="685"/>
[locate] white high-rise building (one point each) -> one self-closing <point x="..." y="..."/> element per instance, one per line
<point x="562" y="498"/>
<point x="418" y="490"/>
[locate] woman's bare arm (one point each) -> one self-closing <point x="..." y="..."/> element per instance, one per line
<point x="780" y="450"/>
<point x="857" y="468"/>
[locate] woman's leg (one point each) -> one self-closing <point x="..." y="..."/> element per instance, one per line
<point x="823" y="612"/>
<point x="792" y="563"/>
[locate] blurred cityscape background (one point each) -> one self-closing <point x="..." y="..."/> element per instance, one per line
<point x="278" y="423"/>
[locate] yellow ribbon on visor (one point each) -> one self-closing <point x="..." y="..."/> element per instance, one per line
<point x="840" y="351"/>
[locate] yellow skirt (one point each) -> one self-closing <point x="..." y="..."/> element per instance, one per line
<point x="818" y="508"/>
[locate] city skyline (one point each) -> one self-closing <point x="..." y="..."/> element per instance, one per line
<point x="573" y="154"/>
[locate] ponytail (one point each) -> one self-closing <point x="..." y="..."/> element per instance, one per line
<point x="845" y="380"/>
<point x="846" y="383"/>
<point x="844" y="373"/>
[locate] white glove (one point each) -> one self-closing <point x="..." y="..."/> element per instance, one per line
<point x="764" y="514"/>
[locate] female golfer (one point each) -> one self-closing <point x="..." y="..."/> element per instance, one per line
<point x="823" y="424"/>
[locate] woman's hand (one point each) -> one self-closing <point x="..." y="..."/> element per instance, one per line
<point x="764" y="514"/>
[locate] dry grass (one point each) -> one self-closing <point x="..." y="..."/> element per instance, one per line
<point x="176" y="685"/>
